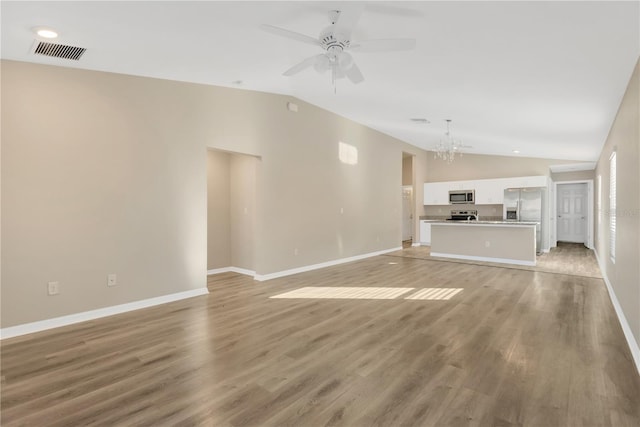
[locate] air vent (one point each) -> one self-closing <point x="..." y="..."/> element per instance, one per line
<point x="58" y="50"/>
<point x="420" y="120"/>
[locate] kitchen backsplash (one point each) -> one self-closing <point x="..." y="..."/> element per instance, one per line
<point x="486" y="212"/>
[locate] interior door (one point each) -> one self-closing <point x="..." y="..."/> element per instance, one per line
<point x="407" y="215"/>
<point x="572" y="213"/>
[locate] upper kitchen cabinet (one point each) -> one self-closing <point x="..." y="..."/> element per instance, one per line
<point x="436" y="193"/>
<point x="490" y="191"/>
<point x="487" y="191"/>
<point x="461" y="185"/>
<point x="527" y="181"/>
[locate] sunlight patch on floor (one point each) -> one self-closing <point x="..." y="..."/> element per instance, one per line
<point x="435" y="293"/>
<point x="345" y="293"/>
<point x="312" y="292"/>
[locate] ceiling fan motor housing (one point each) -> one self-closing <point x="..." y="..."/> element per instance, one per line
<point x="333" y="42"/>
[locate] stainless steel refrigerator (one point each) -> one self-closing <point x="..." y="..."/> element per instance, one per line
<point x="526" y="205"/>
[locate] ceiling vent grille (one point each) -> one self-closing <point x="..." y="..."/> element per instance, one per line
<point x="58" y="50"/>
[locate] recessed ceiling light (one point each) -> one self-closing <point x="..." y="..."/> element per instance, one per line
<point x="516" y="151"/>
<point x="47" y="33"/>
<point x="237" y="82"/>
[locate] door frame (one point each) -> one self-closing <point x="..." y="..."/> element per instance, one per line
<point x="411" y="211"/>
<point x="589" y="241"/>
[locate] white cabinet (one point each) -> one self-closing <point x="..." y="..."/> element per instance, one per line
<point x="425" y="232"/>
<point x="436" y="193"/>
<point x="462" y="185"/>
<point x="488" y="191"/>
<point x="527" y="181"/>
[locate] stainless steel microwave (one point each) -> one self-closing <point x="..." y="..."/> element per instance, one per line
<point x="462" y="196"/>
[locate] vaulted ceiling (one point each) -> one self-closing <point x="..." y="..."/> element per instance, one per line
<point x="542" y="78"/>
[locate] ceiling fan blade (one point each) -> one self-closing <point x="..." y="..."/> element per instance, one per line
<point x="290" y="34"/>
<point x="383" y="45"/>
<point x="348" y="18"/>
<point x="304" y="64"/>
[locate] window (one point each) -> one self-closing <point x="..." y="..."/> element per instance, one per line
<point x="612" y="206"/>
<point x="347" y="153"/>
<point x="599" y="201"/>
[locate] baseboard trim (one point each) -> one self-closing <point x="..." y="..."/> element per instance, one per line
<point x="484" y="259"/>
<point x="231" y="270"/>
<point x="415" y="244"/>
<point x="56" y="322"/>
<point x="269" y="276"/>
<point x="626" y="329"/>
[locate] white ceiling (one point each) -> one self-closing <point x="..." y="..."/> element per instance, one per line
<point x="544" y="78"/>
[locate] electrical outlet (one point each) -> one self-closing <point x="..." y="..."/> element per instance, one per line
<point x="341" y="210"/>
<point x="487" y="244"/>
<point x="111" y="280"/>
<point x="53" y="288"/>
<point x="295" y="251"/>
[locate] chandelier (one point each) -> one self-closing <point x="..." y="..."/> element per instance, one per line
<point x="448" y="146"/>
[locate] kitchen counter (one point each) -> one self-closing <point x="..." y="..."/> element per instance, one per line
<point x="507" y="242"/>
<point x="481" y="222"/>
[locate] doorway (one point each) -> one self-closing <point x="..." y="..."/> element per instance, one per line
<point x="232" y="180"/>
<point x="408" y="200"/>
<point x="573" y="213"/>
<point x="407" y="215"/>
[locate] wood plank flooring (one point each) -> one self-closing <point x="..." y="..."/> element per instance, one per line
<point x="514" y="348"/>
<point x="566" y="258"/>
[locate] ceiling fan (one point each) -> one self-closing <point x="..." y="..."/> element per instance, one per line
<point x="336" y="42"/>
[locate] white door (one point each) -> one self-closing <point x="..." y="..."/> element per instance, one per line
<point x="572" y="213"/>
<point x="407" y="215"/>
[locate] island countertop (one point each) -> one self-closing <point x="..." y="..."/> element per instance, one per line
<point x="481" y="222"/>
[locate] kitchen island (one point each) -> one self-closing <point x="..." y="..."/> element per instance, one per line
<point x="493" y="241"/>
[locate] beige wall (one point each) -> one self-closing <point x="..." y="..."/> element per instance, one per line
<point x="218" y="210"/>
<point x="243" y="171"/>
<point x="574" y="176"/>
<point x="487" y="212"/>
<point x="624" y="138"/>
<point x="407" y="170"/>
<point x="97" y="178"/>
<point x="105" y="173"/>
<point x="479" y="166"/>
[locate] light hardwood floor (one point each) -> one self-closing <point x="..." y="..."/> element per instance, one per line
<point x="565" y="258"/>
<point x="514" y="348"/>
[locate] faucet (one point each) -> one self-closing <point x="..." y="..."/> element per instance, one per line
<point x="475" y="216"/>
